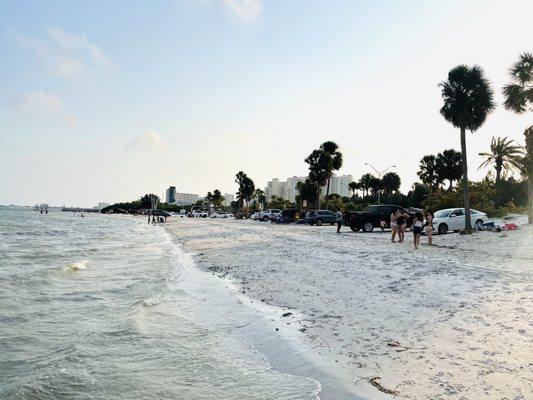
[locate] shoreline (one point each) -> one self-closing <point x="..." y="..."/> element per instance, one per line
<point x="417" y="320"/>
<point x="265" y="329"/>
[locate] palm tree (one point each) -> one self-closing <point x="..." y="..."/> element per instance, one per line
<point x="353" y="187"/>
<point x="332" y="150"/>
<point x="390" y="183"/>
<point x="246" y="188"/>
<point x="320" y="169"/>
<point x="307" y="191"/>
<point x="449" y="166"/>
<point x="505" y="156"/>
<point x="365" y="183"/>
<point x="428" y="173"/>
<point x="519" y="93"/>
<point x="468" y="99"/>
<point x="261" y="197"/>
<point x="519" y="98"/>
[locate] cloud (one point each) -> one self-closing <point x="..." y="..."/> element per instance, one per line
<point x="149" y="141"/>
<point x="40" y="107"/>
<point x="66" y="54"/>
<point x="38" y="103"/>
<point x="245" y="10"/>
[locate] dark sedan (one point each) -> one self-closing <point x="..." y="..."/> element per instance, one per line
<point x="320" y="217"/>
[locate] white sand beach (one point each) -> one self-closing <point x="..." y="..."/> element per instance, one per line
<point x="452" y="321"/>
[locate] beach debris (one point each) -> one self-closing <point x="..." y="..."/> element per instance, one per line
<point x="394" y="343"/>
<point x="374" y="382"/>
<point x="277" y="329"/>
<point x="287" y="314"/>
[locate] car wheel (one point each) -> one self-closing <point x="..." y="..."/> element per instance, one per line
<point x="368" y="227"/>
<point x="443" y="229"/>
<point x="353" y="228"/>
<point x="479" y="224"/>
<point x="319" y="222"/>
<point x="265" y="219"/>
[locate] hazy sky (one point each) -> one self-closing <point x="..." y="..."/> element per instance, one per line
<point x="105" y="101"/>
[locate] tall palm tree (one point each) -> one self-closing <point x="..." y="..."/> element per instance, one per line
<point x="519" y="93"/>
<point x="428" y="173"/>
<point x="332" y="150"/>
<point x="449" y="166"/>
<point x="365" y="183"/>
<point x="390" y="183"/>
<point x="353" y="187"/>
<point x="320" y="165"/>
<point x="519" y="98"/>
<point x="468" y="99"/>
<point x="505" y="156"/>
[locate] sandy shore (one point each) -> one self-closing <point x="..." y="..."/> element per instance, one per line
<point x="453" y="321"/>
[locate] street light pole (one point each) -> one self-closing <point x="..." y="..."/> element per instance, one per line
<point x="379" y="176"/>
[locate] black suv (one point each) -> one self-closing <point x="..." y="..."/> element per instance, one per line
<point x="286" y="216"/>
<point x="377" y="216"/>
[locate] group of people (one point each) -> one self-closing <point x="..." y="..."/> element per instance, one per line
<point x="421" y="223"/>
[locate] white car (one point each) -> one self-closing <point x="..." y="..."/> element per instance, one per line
<point x="453" y="219"/>
<point x="200" y="214"/>
<point x="267" y="214"/>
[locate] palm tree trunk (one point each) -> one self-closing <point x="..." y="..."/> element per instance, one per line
<point x="466" y="198"/>
<point x="318" y="197"/>
<point x="530" y="199"/>
<point x="498" y="183"/>
<point x="327" y="194"/>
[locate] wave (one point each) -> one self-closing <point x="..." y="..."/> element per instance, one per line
<point x="77" y="266"/>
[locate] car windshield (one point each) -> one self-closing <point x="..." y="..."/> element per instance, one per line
<point x="374" y="209"/>
<point x="442" y="214"/>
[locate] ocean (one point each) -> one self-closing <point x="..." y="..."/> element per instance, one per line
<point x="109" y="307"/>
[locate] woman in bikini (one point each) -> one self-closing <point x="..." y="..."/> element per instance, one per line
<point x="401" y="221"/>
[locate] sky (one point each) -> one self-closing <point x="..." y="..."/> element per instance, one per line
<point x="103" y="101"/>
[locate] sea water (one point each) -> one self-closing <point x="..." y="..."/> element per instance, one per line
<point x="108" y="307"/>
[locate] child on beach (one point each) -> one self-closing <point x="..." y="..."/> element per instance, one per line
<point x="417" y="228"/>
<point x="394" y="225"/>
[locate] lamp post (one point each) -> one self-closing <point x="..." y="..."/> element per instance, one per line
<point x="379" y="176"/>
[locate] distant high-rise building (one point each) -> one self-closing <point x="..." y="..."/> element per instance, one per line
<point x="228" y="199"/>
<point x="183" y="199"/>
<point x="287" y="190"/>
<point x="171" y="195"/>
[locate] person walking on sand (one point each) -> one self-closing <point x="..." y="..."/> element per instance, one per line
<point x="394" y="225"/>
<point x="428" y="226"/>
<point x="401" y="222"/>
<point x="339" y="221"/>
<point x="418" y="223"/>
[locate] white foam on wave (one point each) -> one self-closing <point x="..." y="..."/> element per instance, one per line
<point x="77" y="266"/>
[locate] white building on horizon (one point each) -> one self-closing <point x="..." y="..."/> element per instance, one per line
<point x="287" y="189"/>
<point x="184" y="199"/>
<point x="228" y="199"/>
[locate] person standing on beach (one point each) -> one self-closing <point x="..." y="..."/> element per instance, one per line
<point x="428" y="226"/>
<point x="418" y="223"/>
<point x="394" y="225"/>
<point x="339" y="221"/>
<point x="401" y="221"/>
<point x="148" y="218"/>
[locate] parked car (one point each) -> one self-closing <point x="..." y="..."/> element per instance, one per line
<point x="160" y="213"/>
<point x="220" y="214"/>
<point x="375" y="216"/>
<point x="320" y="217"/>
<point x="199" y="214"/>
<point x="453" y="219"/>
<point x="254" y="215"/>
<point x="286" y="216"/>
<point x="265" y="215"/>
